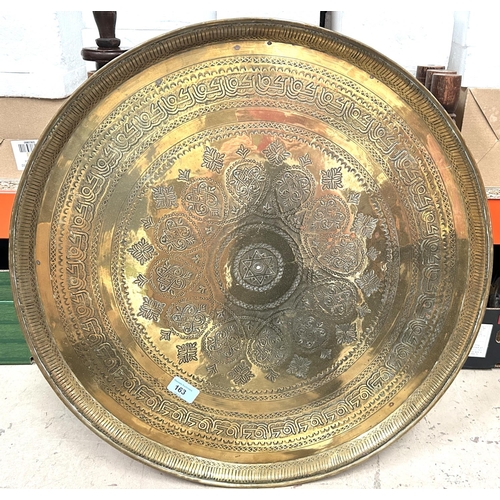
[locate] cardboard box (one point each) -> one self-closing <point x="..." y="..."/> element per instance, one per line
<point x="21" y="119"/>
<point x="486" y="350"/>
<point x="478" y="117"/>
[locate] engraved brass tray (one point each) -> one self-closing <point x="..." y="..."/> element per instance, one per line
<point x="250" y="252"/>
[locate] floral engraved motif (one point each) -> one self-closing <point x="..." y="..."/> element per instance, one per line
<point x="354" y="198"/>
<point x="213" y="160"/>
<point x="241" y="374"/>
<point x="346" y="334"/>
<point x="246" y="181"/>
<point x="223" y="344"/>
<point x="305" y="161"/>
<point x="329" y="213"/>
<point x="171" y="278"/>
<point x="299" y="366"/>
<point x="242" y="151"/>
<point x="276" y="153"/>
<point x="272" y="376"/>
<point x="148" y="222"/>
<point x="372" y="253"/>
<point x="164" y="197"/>
<point x="309" y="333"/>
<point x="343" y="254"/>
<point x="364" y="225"/>
<point x="369" y="282"/>
<point x="165" y="334"/>
<point x="187" y="352"/>
<point x="142" y="251"/>
<point x="267" y="208"/>
<point x="203" y="199"/>
<point x="221" y="314"/>
<point x="337" y="298"/>
<point x="212" y="369"/>
<point x="184" y="174"/>
<point x="363" y="310"/>
<point x="141" y="280"/>
<point x="151" y="309"/>
<point x="331" y="178"/>
<point x="190" y="319"/>
<point x="293" y="188"/>
<point x="326" y="354"/>
<point x="268" y="348"/>
<point x="174" y="233"/>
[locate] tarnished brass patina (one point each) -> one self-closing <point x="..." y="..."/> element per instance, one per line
<point x="251" y="252"/>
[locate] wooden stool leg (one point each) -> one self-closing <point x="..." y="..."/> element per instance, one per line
<point x="108" y="46"/>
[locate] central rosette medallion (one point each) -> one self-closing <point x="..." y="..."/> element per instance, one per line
<point x="258" y="266"/>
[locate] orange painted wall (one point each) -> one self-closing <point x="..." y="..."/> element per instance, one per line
<point x="6" y="204"/>
<point x="494" y="206"/>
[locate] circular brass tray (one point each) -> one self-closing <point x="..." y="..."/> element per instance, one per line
<point x="250" y="252"/>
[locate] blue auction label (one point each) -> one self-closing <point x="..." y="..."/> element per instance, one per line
<point x="182" y="389"/>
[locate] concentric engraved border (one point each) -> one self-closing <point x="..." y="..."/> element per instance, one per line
<point x="30" y="305"/>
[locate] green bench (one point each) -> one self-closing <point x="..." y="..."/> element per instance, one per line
<point x="13" y="347"/>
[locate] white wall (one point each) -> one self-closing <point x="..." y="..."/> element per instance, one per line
<point x="475" y="46"/>
<point x="40" y="51"/>
<point x="411" y="37"/>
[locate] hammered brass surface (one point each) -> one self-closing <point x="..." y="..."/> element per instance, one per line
<point x="267" y="213"/>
